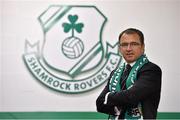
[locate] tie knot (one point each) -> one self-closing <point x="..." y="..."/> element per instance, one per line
<point x="128" y="67"/>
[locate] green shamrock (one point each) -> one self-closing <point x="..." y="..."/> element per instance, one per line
<point x="73" y="25"/>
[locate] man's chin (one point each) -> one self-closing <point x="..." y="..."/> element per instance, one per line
<point x="129" y="60"/>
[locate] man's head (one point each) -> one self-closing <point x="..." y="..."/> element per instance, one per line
<point x="131" y="44"/>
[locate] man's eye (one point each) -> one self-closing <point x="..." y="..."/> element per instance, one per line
<point x="124" y="44"/>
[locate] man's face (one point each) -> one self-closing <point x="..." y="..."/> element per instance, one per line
<point x="130" y="47"/>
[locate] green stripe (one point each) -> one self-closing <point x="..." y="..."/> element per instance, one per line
<point x="72" y="115"/>
<point x="168" y="115"/>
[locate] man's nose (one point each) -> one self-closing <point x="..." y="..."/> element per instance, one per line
<point x="129" y="47"/>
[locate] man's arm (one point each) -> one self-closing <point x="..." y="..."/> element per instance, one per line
<point x="101" y="106"/>
<point x="148" y="82"/>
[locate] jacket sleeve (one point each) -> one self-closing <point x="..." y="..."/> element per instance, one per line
<point x="101" y="107"/>
<point x="148" y="82"/>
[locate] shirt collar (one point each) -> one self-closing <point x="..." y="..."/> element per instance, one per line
<point x="131" y="64"/>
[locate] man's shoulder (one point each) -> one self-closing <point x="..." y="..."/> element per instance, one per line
<point x="151" y="66"/>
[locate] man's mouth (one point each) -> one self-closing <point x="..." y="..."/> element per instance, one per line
<point x="129" y="54"/>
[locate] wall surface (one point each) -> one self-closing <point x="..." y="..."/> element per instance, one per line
<point x="20" y="91"/>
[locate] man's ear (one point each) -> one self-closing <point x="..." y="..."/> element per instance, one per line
<point x="143" y="48"/>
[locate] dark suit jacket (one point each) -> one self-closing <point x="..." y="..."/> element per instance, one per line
<point x="146" y="90"/>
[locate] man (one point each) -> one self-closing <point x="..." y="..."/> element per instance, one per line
<point x="133" y="89"/>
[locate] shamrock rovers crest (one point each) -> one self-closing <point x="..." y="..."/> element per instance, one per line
<point x="72" y="57"/>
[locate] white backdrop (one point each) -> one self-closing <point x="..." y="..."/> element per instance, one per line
<point x="19" y="91"/>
